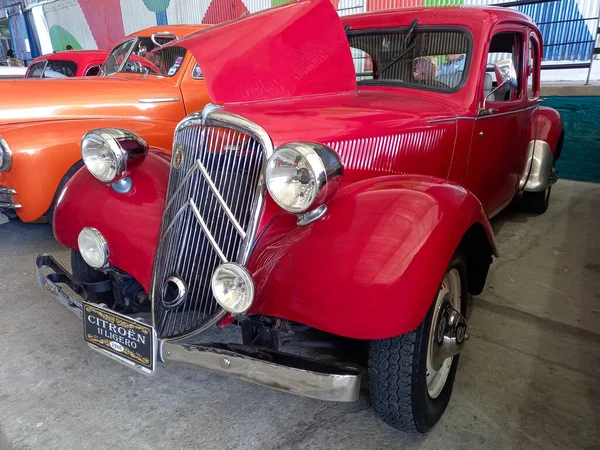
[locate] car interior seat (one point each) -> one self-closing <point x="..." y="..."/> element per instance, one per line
<point x="488" y="86"/>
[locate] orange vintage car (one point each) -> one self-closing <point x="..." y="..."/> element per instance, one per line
<point x="146" y="89"/>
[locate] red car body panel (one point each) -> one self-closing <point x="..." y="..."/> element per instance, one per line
<point x="134" y="229"/>
<point x="85" y="59"/>
<point x="391" y="230"/>
<point x="379" y="252"/>
<point x="240" y="58"/>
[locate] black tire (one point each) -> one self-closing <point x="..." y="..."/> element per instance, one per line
<point x="398" y="372"/>
<point x="537" y="202"/>
<point x="87" y="274"/>
<point x="74" y="168"/>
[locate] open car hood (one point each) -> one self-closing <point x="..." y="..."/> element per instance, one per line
<point x="297" y="49"/>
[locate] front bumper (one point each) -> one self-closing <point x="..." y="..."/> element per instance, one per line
<point x="277" y="370"/>
<point x="6" y="198"/>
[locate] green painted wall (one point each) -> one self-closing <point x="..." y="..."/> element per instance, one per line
<point x="60" y="38"/>
<point x="580" y="158"/>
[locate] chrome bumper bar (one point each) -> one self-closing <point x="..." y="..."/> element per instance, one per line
<point x="277" y="370"/>
<point x="6" y="200"/>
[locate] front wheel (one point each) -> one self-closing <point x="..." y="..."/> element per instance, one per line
<point x="406" y="391"/>
<point x="87" y="274"/>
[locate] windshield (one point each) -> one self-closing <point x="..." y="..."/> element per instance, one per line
<point x="142" y="55"/>
<point x="430" y="58"/>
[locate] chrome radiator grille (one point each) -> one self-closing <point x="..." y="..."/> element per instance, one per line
<point x="214" y="197"/>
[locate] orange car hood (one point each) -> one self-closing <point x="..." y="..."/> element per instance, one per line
<point x="79" y="98"/>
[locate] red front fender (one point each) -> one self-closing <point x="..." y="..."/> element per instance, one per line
<point x="371" y="268"/>
<point x="129" y="222"/>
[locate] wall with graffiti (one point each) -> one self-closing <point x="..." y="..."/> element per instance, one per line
<point x="99" y="24"/>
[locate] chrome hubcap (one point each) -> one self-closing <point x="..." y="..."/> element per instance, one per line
<point x="451" y="289"/>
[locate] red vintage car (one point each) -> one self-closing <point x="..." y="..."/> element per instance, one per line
<point x="345" y="182"/>
<point x="72" y="63"/>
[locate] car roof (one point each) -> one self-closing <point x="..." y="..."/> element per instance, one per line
<point x="180" y="30"/>
<point x="442" y="15"/>
<point x="73" y="55"/>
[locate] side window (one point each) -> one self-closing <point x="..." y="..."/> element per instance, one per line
<point x="533" y="70"/>
<point x="36" y="70"/>
<point x="93" y="71"/>
<point x="197" y="72"/>
<point x="502" y="46"/>
<point x="60" y="69"/>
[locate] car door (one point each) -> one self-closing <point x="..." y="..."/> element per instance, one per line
<point x="193" y="88"/>
<point x="498" y="144"/>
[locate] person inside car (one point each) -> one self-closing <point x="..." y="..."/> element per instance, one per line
<point x="450" y="72"/>
<point x="424" y="70"/>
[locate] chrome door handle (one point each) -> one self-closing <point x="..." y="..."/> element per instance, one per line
<point x="481" y="134"/>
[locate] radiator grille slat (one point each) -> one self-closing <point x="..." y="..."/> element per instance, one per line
<point x="233" y="162"/>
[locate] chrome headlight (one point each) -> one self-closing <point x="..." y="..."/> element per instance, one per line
<point x="5" y="156"/>
<point x="301" y="176"/>
<point x="107" y="152"/>
<point x="233" y="288"/>
<point x="93" y="248"/>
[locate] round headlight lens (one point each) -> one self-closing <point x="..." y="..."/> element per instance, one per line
<point x="102" y="156"/>
<point x="293" y="177"/>
<point x="93" y="248"/>
<point x="233" y="288"/>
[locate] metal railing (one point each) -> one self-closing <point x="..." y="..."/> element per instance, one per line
<point x="566" y="39"/>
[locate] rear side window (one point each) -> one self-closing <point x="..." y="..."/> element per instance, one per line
<point x="93" y="71"/>
<point x="60" y="69"/>
<point x="533" y="82"/>
<point x="36" y="70"/>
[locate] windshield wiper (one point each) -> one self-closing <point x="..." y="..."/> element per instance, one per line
<point x="403" y="49"/>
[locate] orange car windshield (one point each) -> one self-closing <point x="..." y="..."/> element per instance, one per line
<point x="142" y="55"/>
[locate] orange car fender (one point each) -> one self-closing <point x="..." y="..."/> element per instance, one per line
<point x="43" y="152"/>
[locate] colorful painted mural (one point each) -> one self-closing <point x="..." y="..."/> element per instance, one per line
<point x="99" y="24"/>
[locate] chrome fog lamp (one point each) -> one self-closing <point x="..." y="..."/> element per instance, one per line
<point x="301" y="176"/>
<point x="233" y="288"/>
<point x="107" y="152"/>
<point x="5" y="156"/>
<point x="93" y="248"/>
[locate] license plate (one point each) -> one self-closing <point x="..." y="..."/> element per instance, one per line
<point x="120" y="337"/>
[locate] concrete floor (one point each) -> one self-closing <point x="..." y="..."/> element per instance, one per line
<point x="528" y="377"/>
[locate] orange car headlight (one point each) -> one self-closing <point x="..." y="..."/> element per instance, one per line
<point x="5" y="156"/>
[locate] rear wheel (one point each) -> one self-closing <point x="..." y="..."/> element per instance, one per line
<point x="537" y="202"/>
<point x="87" y="274"/>
<point x="406" y="391"/>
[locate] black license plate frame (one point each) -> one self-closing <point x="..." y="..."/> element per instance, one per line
<point x="120" y="337"/>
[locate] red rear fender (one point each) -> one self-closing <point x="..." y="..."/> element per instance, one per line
<point x="549" y="127"/>
<point x="371" y="268"/>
